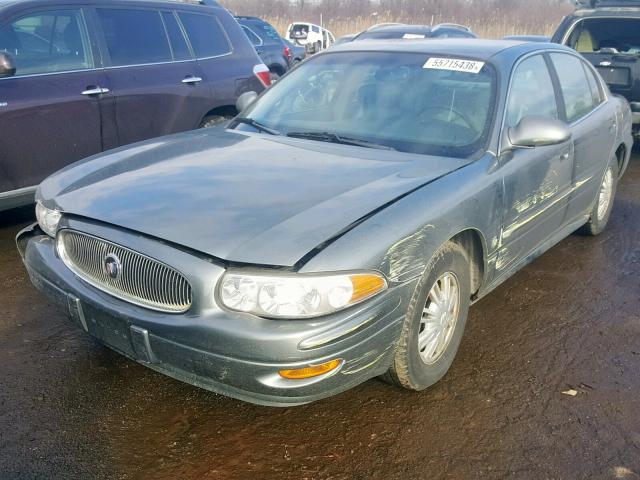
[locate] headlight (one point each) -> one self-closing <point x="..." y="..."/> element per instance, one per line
<point x="48" y="219"/>
<point x="296" y="295"/>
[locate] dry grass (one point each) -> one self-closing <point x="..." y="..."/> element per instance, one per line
<point x="495" y="29"/>
<point x="488" y="18"/>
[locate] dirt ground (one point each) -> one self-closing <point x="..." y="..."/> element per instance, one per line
<point x="70" y="408"/>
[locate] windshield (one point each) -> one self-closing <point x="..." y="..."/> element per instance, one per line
<point x="392" y="100"/>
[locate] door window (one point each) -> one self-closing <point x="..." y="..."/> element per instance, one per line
<point x="575" y="88"/>
<point x="47" y="42"/>
<point x="205" y="34"/>
<point x="531" y="91"/>
<point x="134" y="37"/>
<point x="179" y="46"/>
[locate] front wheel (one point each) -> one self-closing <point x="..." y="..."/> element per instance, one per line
<point x="601" y="212"/>
<point x="435" y="320"/>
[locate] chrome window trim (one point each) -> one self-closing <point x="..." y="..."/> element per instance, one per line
<point x="117" y="66"/>
<point x="50" y="73"/>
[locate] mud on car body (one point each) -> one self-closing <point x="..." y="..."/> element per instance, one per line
<point x="328" y="236"/>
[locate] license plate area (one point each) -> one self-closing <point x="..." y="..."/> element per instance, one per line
<point x="111" y="330"/>
<point x="616" y="76"/>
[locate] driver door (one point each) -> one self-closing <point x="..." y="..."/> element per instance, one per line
<point x="537" y="181"/>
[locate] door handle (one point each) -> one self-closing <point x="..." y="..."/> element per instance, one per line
<point x="190" y="80"/>
<point x="95" y="91"/>
<point x="564" y="156"/>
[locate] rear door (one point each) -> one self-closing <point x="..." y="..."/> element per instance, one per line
<point x="219" y="64"/>
<point x="537" y="181"/>
<point x="49" y="117"/>
<point x="593" y="125"/>
<point x="156" y="85"/>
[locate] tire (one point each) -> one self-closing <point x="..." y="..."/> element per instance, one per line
<point x="275" y="76"/>
<point x="214" y="120"/>
<point x="604" y="202"/>
<point x="411" y="368"/>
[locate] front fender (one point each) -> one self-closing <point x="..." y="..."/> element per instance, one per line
<point x="400" y="240"/>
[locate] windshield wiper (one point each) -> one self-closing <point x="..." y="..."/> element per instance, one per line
<point x="257" y="125"/>
<point x="335" y="138"/>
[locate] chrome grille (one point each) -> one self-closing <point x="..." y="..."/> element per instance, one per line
<point x="137" y="278"/>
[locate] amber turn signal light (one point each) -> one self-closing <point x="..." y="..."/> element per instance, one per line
<point x="365" y="286"/>
<point x="310" y="371"/>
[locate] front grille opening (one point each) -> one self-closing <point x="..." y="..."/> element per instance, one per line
<point x="124" y="273"/>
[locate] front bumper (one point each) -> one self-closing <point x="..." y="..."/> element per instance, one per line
<point x="237" y="355"/>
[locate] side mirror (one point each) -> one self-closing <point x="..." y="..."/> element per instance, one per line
<point x="245" y="101"/>
<point x="537" y="131"/>
<point x="7" y="68"/>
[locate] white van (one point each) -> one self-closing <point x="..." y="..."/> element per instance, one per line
<point x="313" y="37"/>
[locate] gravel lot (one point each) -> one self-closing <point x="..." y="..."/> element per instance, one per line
<point x="70" y="408"/>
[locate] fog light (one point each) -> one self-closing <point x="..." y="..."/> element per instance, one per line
<point x="311" y="371"/>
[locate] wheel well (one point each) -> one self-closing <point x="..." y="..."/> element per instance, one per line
<point x="227" y="110"/>
<point x="275" y="68"/>
<point x="621" y="155"/>
<point x="471" y="241"/>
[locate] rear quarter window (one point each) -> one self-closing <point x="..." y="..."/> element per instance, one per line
<point x="206" y="35"/>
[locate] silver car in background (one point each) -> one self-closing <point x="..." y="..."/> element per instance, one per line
<point x="342" y="225"/>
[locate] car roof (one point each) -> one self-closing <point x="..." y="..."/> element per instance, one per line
<point x="180" y="3"/>
<point x="466" y="47"/>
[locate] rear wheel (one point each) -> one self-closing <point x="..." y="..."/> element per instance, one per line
<point x="435" y="321"/>
<point x="604" y="203"/>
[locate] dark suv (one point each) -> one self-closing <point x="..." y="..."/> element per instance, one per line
<point x="607" y="34"/>
<point x="81" y="76"/>
<point x="271" y="47"/>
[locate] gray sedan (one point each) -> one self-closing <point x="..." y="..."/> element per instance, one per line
<point x="340" y="228"/>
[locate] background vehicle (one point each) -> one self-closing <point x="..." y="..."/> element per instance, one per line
<point x="298" y="52"/>
<point x="415" y="32"/>
<point x="313" y="37"/>
<point x="607" y="34"/>
<point x="273" y="50"/>
<point x="95" y="75"/>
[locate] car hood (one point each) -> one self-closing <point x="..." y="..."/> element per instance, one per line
<point x="240" y="197"/>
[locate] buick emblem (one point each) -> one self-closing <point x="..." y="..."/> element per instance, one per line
<point x="112" y="266"/>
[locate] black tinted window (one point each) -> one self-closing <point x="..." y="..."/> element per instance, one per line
<point x="179" y="45"/>
<point x="574" y="84"/>
<point x="47" y="42"/>
<point x="134" y="36"/>
<point x="205" y="34"/>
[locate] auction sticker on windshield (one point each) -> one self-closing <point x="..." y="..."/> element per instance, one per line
<point x="454" y="64"/>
